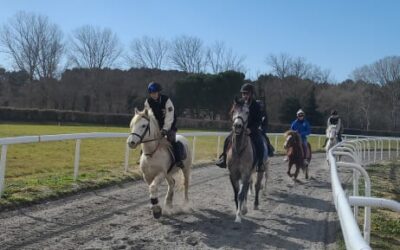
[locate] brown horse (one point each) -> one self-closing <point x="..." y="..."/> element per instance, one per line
<point x="294" y="151"/>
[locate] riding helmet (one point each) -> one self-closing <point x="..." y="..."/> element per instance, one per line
<point x="247" y="87"/>
<point x="154" y="87"/>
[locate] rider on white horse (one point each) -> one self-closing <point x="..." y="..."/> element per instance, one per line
<point x="253" y="124"/>
<point x="334" y="119"/>
<point x="164" y="111"/>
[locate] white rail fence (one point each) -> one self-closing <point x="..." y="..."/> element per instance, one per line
<point x="360" y="153"/>
<point x="4" y="142"/>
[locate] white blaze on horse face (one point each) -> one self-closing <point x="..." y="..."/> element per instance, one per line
<point x="240" y="116"/>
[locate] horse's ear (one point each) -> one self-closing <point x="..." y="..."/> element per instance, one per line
<point x="146" y="112"/>
<point x="136" y="111"/>
<point x="236" y="100"/>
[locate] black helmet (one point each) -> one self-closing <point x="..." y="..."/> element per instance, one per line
<point x="247" y="87"/>
<point x="154" y="87"/>
<point x="334" y="112"/>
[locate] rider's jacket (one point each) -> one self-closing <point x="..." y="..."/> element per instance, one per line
<point x="254" y="120"/>
<point x="164" y="112"/>
<point x="302" y="127"/>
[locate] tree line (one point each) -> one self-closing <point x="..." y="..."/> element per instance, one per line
<point x="76" y="74"/>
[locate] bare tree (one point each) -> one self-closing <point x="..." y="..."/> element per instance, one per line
<point x="187" y="54"/>
<point x="284" y="65"/>
<point x="219" y="59"/>
<point x="148" y="52"/>
<point x="385" y="72"/>
<point x="94" y="48"/>
<point x="280" y="64"/>
<point x="34" y="44"/>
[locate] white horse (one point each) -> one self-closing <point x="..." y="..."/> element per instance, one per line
<point x="331" y="135"/>
<point x="156" y="161"/>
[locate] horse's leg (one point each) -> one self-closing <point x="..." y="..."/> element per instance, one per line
<point x="235" y="186"/>
<point x="307" y="172"/>
<point x="297" y="170"/>
<point x="265" y="178"/>
<point x="257" y="189"/>
<point x="186" y="176"/>
<point x="170" y="193"/>
<point x="290" y="168"/>
<point x="242" y="198"/>
<point x="153" y="188"/>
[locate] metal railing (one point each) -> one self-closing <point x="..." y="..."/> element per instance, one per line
<point x="358" y="152"/>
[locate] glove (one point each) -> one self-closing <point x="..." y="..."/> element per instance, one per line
<point x="164" y="132"/>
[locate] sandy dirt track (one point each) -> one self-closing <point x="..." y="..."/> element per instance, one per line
<point x="293" y="215"/>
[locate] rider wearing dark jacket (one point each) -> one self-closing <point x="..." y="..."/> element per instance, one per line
<point x="253" y="124"/>
<point x="164" y="111"/>
<point x="264" y="127"/>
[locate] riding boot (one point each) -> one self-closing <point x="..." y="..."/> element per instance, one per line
<point x="221" y="162"/>
<point x="177" y="155"/>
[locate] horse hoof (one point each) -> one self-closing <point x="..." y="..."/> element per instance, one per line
<point x="244" y="211"/>
<point x="157" y="211"/>
<point x="255" y="207"/>
<point x="238" y="220"/>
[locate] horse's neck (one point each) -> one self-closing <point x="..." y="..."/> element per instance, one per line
<point x="239" y="142"/>
<point x="150" y="147"/>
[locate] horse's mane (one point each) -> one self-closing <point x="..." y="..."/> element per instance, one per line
<point x="294" y="134"/>
<point x="146" y="113"/>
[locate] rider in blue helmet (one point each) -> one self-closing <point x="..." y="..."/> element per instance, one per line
<point x="164" y="111"/>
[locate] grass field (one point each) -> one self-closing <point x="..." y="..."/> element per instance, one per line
<point x="385" y="224"/>
<point x="37" y="171"/>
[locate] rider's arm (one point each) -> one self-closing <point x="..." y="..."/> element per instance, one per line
<point x="307" y="129"/>
<point x="169" y="115"/>
<point x="293" y="126"/>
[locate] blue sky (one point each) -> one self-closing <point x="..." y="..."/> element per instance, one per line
<point x="336" y="35"/>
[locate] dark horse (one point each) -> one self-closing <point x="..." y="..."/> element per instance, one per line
<point x="240" y="160"/>
<point x="294" y="151"/>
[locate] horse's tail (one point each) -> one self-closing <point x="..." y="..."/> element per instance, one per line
<point x="183" y="177"/>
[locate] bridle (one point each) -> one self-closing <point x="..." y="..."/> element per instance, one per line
<point x="144" y="133"/>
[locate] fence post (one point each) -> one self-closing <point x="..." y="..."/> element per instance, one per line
<point x="3" y="168"/>
<point x="389" y="148"/>
<point x="218" y="145"/>
<point x="126" y="158"/>
<point x="194" y="148"/>
<point x="77" y="158"/>
<point x="276" y="143"/>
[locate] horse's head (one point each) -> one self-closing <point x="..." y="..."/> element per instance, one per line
<point x="240" y="115"/>
<point x="331" y="132"/>
<point x="140" y="128"/>
<point x="291" y="138"/>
